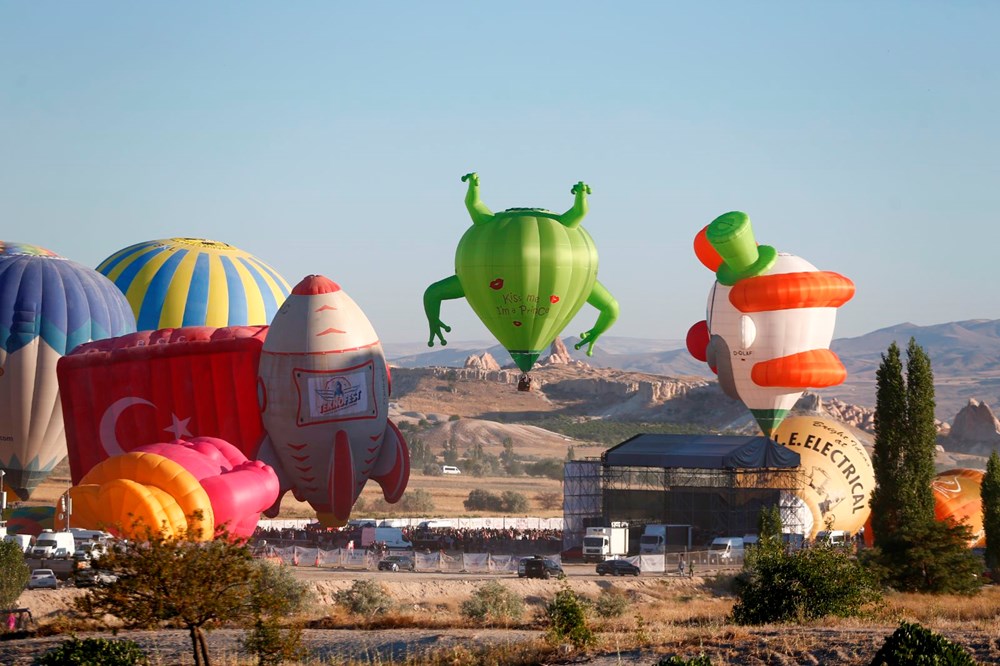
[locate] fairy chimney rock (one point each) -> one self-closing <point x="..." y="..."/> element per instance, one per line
<point x="484" y="361"/>
<point x="976" y="423"/>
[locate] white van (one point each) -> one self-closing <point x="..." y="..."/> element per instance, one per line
<point x="450" y="469"/>
<point x="833" y="537"/>
<point x="24" y="541"/>
<point x="51" y="544"/>
<point x="726" y="550"/>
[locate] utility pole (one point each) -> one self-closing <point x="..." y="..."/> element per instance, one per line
<point x="66" y="506"/>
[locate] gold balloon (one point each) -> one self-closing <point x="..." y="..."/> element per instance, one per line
<point x="838" y="471"/>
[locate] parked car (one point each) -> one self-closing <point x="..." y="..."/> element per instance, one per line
<point x="43" y="578"/>
<point x="397" y="563"/>
<point x="92" y="577"/>
<point x="540" y="567"/>
<point x="617" y="568"/>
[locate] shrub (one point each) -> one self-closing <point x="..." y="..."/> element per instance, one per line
<point x="94" y="652"/>
<point x="512" y="501"/>
<point x="807" y="584"/>
<point x="700" y="660"/>
<point x="611" y="603"/>
<point x="549" y="500"/>
<point x="567" y="617"/>
<point x="493" y="604"/>
<point x="273" y="644"/>
<point x="914" y="645"/>
<point x="365" y="597"/>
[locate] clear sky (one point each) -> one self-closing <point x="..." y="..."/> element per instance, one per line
<point x="329" y="137"/>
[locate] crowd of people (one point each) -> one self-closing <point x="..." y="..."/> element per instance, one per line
<point x="448" y="539"/>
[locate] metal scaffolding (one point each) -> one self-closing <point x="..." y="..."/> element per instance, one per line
<point x="715" y="502"/>
<point x="581" y="500"/>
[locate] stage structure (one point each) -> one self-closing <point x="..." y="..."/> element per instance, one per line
<point x="716" y="484"/>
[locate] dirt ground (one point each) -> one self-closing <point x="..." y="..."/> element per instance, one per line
<point x="427" y="595"/>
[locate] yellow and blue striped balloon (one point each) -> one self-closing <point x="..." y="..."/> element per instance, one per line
<point x="178" y="282"/>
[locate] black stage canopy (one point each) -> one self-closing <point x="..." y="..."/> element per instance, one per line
<point x="701" y="452"/>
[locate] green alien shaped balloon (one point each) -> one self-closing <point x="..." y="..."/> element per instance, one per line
<point x="526" y="272"/>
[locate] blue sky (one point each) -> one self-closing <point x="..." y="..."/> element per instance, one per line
<point x="329" y="137"/>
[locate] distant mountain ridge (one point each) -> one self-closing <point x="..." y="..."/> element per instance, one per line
<point x="965" y="357"/>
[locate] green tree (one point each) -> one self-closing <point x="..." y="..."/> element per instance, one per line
<point x="551" y="468"/>
<point x="921" y="434"/>
<point x="179" y="580"/>
<point x="890" y="442"/>
<point x="14" y="573"/>
<point x="991" y="513"/>
<point x="931" y="557"/>
<point x="769" y="529"/>
<point x="913" y="552"/>
<point x="807" y="584"/>
<point x="450" y="452"/>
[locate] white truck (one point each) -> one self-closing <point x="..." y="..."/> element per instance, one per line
<point x="51" y="545"/>
<point x="605" y="543"/>
<point x="653" y="540"/>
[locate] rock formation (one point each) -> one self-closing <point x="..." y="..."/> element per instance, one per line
<point x="559" y="355"/>
<point x="975" y="430"/>
<point x="484" y="361"/>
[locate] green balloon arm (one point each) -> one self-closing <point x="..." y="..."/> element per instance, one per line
<point x="606" y="304"/>
<point x="574" y="216"/>
<point x="477" y="209"/>
<point x="442" y="290"/>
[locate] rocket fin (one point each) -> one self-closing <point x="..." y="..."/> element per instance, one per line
<point x="266" y="454"/>
<point x="392" y="469"/>
<point x="341" y="477"/>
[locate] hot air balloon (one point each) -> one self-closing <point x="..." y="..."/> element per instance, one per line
<point x="958" y="497"/>
<point x="324" y="394"/>
<point x="178" y="282"/>
<point x="525" y="272"/>
<point x="838" y="472"/>
<point x="48" y="306"/>
<point x="164" y="484"/>
<point x="770" y="321"/>
<point x="137" y="389"/>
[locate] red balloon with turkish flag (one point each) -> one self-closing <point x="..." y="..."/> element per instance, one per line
<point x="154" y="386"/>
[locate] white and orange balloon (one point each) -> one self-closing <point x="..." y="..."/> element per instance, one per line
<point x="770" y="321"/>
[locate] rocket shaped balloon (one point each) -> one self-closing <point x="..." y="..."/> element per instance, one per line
<point x="324" y="394"/>
<point x="770" y="321"/>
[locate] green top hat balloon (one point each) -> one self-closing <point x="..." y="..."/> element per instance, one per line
<point x="731" y="234"/>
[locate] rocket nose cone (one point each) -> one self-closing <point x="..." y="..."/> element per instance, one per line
<point x="311" y="285"/>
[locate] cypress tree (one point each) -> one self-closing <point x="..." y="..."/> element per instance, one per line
<point x="921" y="436"/>
<point x="991" y="513"/>
<point x="913" y="552"/>
<point x="887" y="454"/>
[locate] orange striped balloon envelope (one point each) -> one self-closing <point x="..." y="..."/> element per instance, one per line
<point x="769" y="322"/>
<point x="957" y="496"/>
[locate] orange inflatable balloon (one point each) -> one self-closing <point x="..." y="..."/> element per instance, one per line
<point x="958" y="496"/>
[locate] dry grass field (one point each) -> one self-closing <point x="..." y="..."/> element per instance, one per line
<point x="665" y="615"/>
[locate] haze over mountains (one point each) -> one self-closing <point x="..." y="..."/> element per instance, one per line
<point x="965" y="357"/>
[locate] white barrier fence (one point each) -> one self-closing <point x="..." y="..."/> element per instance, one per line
<point x="349" y="558"/>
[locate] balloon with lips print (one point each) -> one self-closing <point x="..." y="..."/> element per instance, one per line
<point x="526" y="272"/>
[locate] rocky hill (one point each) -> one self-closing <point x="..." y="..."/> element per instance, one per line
<point x="480" y="404"/>
<point x="965" y="357"/>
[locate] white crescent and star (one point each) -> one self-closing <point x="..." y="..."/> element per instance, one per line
<point x="109" y="421"/>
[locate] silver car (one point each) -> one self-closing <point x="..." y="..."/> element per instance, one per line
<point x="43" y="578"/>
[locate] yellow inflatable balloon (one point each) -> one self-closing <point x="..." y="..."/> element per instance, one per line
<point x="142" y="486"/>
<point x="839" y="472"/>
